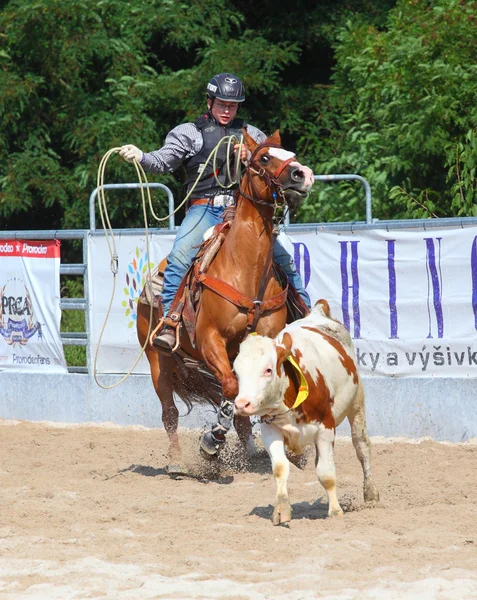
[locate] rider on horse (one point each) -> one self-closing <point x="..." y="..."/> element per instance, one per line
<point x="190" y="145"/>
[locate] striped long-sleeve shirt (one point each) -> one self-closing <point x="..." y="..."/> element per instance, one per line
<point x="183" y="142"/>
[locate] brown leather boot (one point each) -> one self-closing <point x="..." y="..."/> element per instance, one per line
<point x="166" y="340"/>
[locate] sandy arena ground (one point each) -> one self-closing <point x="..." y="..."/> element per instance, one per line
<point x="89" y="512"/>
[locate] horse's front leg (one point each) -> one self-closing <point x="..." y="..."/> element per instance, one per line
<point x="215" y="356"/>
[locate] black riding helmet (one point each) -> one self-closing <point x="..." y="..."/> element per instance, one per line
<point x="227" y="87"/>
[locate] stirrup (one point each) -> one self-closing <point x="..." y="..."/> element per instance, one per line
<point x="153" y="335"/>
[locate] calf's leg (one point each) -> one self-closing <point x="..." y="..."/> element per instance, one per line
<point x="325" y="468"/>
<point x="273" y="441"/>
<point x="362" y="445"/>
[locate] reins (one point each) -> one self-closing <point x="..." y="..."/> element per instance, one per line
<point x="257" y="306"/>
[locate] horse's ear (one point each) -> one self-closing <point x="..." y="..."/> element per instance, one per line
<point x="275" y="138"/>
<point x="248" y="140"/>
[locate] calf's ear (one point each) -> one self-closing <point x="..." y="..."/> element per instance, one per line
<point x="283" y="351"/>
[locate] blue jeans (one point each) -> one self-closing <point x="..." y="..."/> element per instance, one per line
<point x="189" y="236"/>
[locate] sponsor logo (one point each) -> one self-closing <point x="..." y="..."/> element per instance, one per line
<point x="17" y="321"/>
<point x="24" y="248"/>
<point x="31" y="360"/>
<point x="34" y="249"/>
<point x="212" y="88"/>
<point x="136" y="276"/>
<point x="230" y="80"/>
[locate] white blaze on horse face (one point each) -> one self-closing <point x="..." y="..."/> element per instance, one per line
<point x="284" y="155"/>
<point x="259" y="385"/>
<point x="280" y="153"/>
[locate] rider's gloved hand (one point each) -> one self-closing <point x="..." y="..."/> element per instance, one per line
<point x="244" y="153"/>
<point x="131" y="153"/>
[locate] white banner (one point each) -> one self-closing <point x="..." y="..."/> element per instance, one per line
<point x="408" y="298"/>
<point x="119" y="346"/>
<point x="30" y="311"/>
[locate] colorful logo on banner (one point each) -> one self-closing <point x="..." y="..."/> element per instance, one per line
<point x="136" y="276"/>
<point x="17" y="321"/>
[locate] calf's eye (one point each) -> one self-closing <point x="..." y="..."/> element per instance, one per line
<point x="268" y="372"/>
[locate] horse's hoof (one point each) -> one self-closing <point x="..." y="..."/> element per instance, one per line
<point x="210" y="445"/>
<point x="177" y="471"/>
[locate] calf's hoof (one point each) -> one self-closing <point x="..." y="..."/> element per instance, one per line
<point x="335" y="512"/>
<point x="210" y="445"/>
<point x="370" y="492"/>
<point x="282" y="514"/>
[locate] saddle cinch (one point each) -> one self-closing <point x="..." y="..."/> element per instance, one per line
<point x="187" y="300"/>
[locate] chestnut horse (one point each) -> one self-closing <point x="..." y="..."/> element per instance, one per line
<point x="272" y="176"/>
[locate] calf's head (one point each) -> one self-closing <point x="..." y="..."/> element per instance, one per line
<point x="261" y="378"/>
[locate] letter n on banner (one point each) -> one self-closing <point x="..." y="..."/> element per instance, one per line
<point x="434" y="285"/>
<point x="393" y="316"/>
<point x="352" y="263"/>
<point x="473" y="268"/>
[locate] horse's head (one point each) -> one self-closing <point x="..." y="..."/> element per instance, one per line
<point x="279" y="170"/>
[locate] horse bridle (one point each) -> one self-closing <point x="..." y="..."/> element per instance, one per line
<point x="254" y="307"/>
<point x="270" y="180"/>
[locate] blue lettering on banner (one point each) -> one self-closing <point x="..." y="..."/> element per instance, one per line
<point x="345" y="287"/>
<point x="303" y="266"/>
<point x="434" y="280"/>
<point x="473" y="268"/>
<point x="393" y="316"/>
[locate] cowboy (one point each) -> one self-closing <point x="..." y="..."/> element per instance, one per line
<point x="189" y="145"/>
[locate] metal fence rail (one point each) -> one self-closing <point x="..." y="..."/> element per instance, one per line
<point x="81" y="269"/>
<point x="130" y="186"/>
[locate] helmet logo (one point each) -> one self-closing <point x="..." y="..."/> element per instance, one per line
<point x="230" y="80"/>
<point x="212" y="88"/>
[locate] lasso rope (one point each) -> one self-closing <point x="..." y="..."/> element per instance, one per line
<point x="111" y="242"/>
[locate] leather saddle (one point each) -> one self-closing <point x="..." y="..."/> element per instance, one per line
<point x="186" y="303"/>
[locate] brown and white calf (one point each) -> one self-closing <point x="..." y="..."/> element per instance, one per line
<point x="269" y="386"/>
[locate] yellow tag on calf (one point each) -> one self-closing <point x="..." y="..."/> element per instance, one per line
<point x="303" y="390"/>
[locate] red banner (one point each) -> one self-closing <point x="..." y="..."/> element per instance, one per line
<point x="30" y="249"/>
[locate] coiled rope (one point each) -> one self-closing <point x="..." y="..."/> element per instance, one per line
<point x="145" y="190"/>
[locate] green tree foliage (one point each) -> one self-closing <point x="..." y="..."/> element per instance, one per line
<point x="402" y="105"/>
<point x="80" y="77"/>
<point x="386" y="90"/>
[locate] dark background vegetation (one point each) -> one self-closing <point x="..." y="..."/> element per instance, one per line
<point x="383" y="89"/>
